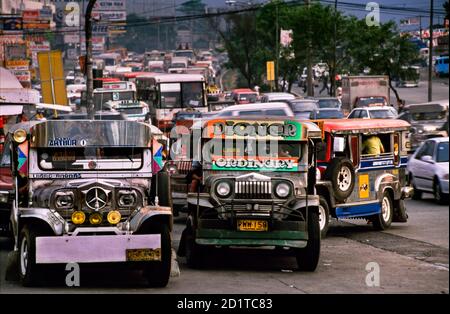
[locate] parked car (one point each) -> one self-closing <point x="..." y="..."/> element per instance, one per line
<point x="373" y="113"/>
<point x="427" y="120"/>
<point x="428" y="169"/>
<point x="278" y="109"/>
<point x="277" y="97"/>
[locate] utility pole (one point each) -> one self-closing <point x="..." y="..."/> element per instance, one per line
<point x="89" y="75"/>
<point x="333" y="73"/>
<point x="277" y="46"/>
<point x="310" y="85"/>
<point x="430" y="55"/>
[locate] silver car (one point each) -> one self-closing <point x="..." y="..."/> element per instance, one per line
<point x="428" y="169"/>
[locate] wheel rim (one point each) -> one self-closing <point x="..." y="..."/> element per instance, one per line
<point x="23" y="256"/>
<point x="385" y="209"/>
<point x="344" y="178"/>
<point x="322" y="217"/>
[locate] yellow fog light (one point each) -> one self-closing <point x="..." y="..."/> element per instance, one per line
<point x="20" y="135"/>
<point x="95" y="219"/>
<point x="114" y="217"/>
<point x="78" y="217"/>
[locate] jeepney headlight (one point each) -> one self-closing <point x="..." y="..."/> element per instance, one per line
<point x="95" y="219"/>
<point x="78" y="217"/>
<point x="127" y="199"/>
<point x="114" y="217"/>
<point x="172" y="168"/>
<point x="282" y="190"/>
<point x="223" y="189"/>
<point x="64" y="200"/>
<point x="20" y="135"/>
<point x="318" y="174"/>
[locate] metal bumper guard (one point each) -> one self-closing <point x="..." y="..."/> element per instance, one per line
<point x="92" y="249"/>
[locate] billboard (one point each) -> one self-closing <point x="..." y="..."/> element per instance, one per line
<point x="53" y="83"/>
<point x="110" y="5"/>
<point x="10" y="23"/>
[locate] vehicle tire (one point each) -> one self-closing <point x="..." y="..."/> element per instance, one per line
<point x="400" y="214"/>
<point x="308" y="257"/>
<point x="194" y="252"/>
<point x="383" y="220"/>
<point x="441" y="198"/>
<point x="324" y="216"/>
<point x="29" y="272"/>
<point x="341" y="173"/>
<point x="164" y="190"/>
<point x="417" y="194"/>
<point x="158" y="272"/>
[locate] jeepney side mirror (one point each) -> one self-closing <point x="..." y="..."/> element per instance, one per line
<point x="339" y="144"/>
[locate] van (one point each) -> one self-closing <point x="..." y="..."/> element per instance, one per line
<point x="275" y="109"/>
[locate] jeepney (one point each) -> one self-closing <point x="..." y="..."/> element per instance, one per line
<point x="255" y="189"/>
<point x="80" y="186"/>
<point x="354" y="184"/>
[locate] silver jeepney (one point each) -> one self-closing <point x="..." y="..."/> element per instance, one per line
<point x="84" y="194"/>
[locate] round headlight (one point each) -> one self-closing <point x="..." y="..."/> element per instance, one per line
<point x="223" y="189"/>
<point x="78" y="217"/>
<point x="127" y="200"/>
<point x="318" y="174"/>
<point x="95" y="218"/>
<point x="64" y="201"/>
<point x="114" y="217"/>
<point x="282" y="190"/>
<point x="20" y="135"/>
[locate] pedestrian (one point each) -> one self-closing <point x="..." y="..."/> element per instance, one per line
<point x="324" y="78"/>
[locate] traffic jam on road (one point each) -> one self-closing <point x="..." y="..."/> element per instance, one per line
<point x="162" y="165"/>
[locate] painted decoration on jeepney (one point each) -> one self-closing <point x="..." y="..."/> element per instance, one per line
<point x="364" y="186"/>
<point x="255" y="163"/>
<point x="157" y="160"/>
<point x="22" y="157"/>
<point x="238" y="129"/>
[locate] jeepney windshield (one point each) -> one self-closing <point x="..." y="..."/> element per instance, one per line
<point x="182" y="95"/>
<point x="90" y="158"/>
<point x="235" y="148"/>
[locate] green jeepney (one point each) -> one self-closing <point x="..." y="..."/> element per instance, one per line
<point x="256" y="188"/>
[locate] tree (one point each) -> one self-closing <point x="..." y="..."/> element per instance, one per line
<point x="383" y="51"/>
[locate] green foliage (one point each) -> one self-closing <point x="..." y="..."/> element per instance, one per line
<point x="251" y="41"/>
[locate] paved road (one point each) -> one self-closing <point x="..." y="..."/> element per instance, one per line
<point x="413" y="258"/>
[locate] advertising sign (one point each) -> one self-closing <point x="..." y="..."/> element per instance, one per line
<point x="15" y="51"/>
<point x="112" y="16"/>
<point x="17" y="65"/>
<point x="110" y="5"/>
<point x="10" y="23"/>
<point x="53" y="83"/>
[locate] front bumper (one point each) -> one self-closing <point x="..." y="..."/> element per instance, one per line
<point x="93" y="249"/>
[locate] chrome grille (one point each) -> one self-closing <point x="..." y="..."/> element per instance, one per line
<point x="253" y="189"/>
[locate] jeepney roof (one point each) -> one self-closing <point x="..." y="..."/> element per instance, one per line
<point x="84" y="133"/>
<point x="298" y="130"/>
<point x="362" y="125"/>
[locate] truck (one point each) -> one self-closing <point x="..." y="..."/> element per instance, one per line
<point x="364" y="91"/>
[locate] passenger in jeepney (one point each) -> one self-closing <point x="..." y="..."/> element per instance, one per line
<point x="373" y="146"/>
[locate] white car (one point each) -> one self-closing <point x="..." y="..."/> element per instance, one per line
<point x="428" y="169"/>
<point x="382" y="112"/>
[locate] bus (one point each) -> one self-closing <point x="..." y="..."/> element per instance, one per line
<point x="441" y="66"/>
<point x="167" y="94"/>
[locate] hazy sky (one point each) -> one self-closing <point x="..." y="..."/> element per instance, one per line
<point x="385" y="16"/>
